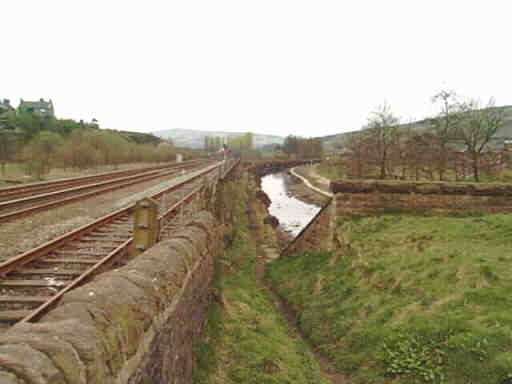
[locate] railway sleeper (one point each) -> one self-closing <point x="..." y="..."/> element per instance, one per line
<point x="104" y="236"/>
<point x="68" y="261"/>
<point x="12" y="316"/>
<point x="50" y="282"/>
<point x="101" y="240"/>
<point x="24" y="299"/>
<point x="47" y="271"/>
<point x="79" y="253"/>
<point x="75" y="244"/>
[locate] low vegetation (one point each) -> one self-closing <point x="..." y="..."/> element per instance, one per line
<point x="246" y="339"/>
<point x="43" y="143"/>
<point x="331" y="168"/>
<point x="464" y="141"/>
<point x="293" y="147"/>
<point x="409" y="299"/>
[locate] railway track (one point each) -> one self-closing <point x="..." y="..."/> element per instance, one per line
<point x="16" y="208"/>
<point x="32" y="283"/>
<point x="24" y="190"/>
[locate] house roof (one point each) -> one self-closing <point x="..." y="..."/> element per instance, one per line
<point x="5" y="107"/>
<point x="36" y="104"/>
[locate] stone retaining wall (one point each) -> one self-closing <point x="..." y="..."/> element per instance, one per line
<point x="317" y="236"/>
<point x="136" y="324"/>
<point x="361" y="198"/>
<point x="358" y="198"/>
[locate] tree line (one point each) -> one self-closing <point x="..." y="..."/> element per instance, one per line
<point x="457" y="144"/>
<point x="293" y="146"/>
<point x="242" y="146"/>
<point x="44" y="142"/>
<point x="302" y="148"/>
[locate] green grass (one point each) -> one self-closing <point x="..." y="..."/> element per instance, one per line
<point x="409" y="299"/>
<point x="331" y="169"/>
<point x="246" y="340"/>
<point x="13" y="171"/>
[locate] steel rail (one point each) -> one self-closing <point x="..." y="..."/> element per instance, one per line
<point x="89" y="273"/>
<point x="76" y="188"/>
<point x="45" y="206"/>
<point x="26" y="257"/>
<point x="113" y="256"/>
<point x="105" y="262"/>
<point x="83" y="196"/>
<point x="15" y="202"/>
<point x="20" y="189"/>
<point x="44" y="249"/>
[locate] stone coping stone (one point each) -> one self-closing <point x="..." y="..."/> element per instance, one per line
<point x="425" y="188"/>
<point x="99" y="326"/>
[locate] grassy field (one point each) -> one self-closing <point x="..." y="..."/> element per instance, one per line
<point x="409" y="299"/>
<point x="246" y="339"/>
<point x="331" y="169"/>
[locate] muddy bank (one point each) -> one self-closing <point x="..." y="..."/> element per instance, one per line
<point x="299" y="190"/>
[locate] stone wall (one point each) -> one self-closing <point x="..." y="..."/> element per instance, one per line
<point x="136" y="324"/>
<point x="317" y="236"/>
<point x="359" y="198"/>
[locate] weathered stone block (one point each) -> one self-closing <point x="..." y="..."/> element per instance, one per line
<point x="99" y="327"/>
<point x="31" y="366"/>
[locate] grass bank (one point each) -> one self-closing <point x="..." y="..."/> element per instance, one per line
<point x="409" y="299"/>
<point x="246" y="339"/>
<point x="331" y="169"/>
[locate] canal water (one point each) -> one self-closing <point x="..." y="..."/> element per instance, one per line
<point x="292" y="213"/>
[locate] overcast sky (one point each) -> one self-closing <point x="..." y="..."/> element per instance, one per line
<point x="309" y="68"/>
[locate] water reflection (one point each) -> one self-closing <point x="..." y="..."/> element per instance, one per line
<point x="292" y="213"/>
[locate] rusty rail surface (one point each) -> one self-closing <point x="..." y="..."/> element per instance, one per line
<point x="95" y="189"/>
<point x="193" y="185"/>
<point x="113" y="229"/>
<point x="19" y="191"/>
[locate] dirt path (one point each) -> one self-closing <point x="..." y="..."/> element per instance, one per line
<point x="298" y="189"/>
<point x="310" y="173"/>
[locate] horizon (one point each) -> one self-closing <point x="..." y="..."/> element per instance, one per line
<point x="274" y="68"/>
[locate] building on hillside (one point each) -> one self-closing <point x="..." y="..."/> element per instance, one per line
<point x="5" y="106"/>
<point x="41" y="108"/>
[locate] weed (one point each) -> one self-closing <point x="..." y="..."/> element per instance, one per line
<point x="438" y="312"/>
<point x="246" y="340"/>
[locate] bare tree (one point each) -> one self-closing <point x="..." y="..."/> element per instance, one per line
<point x="476" y="129"/>
<point x="444" y="127"/>
<point x="383" y="130"/>
<point x="356" y="147"/>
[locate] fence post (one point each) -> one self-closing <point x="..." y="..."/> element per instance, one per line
<point x="145" y="226"/>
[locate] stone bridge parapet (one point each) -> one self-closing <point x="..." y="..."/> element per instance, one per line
<point x="356" y="197"/>
<point x="135" y="324"/>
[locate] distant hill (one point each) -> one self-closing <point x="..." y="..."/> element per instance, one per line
<point x="504" y="133"/>
<point x="194" y="138"/>
<point x="137" y="137"/>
